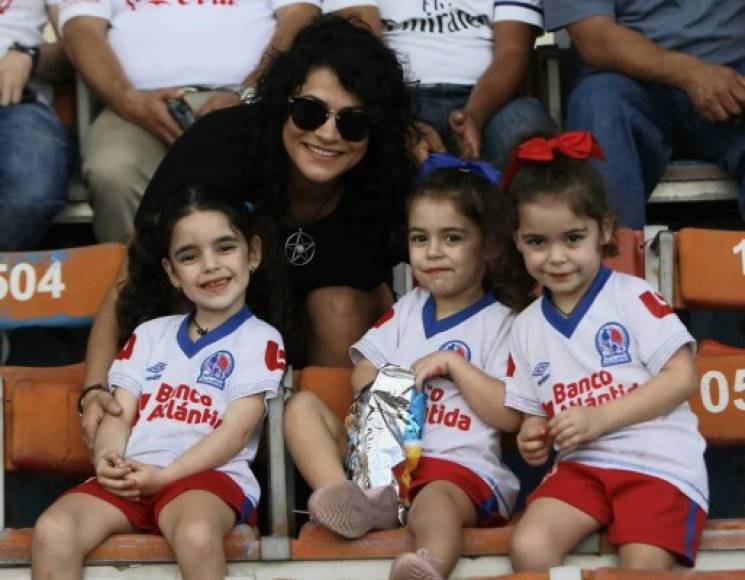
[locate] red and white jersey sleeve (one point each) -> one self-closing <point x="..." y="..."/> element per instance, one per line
<point x="184" y="387"/>
<point x="452" y="431"/>
<point x="617" y="338"/>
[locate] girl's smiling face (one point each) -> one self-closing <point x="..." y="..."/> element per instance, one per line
<point x="562" y="250"/>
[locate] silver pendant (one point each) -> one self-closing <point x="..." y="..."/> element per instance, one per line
<point x="300" y="248"/>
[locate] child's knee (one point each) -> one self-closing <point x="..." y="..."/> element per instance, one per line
<point x="528" y="544"/>
<point x="54" y="530"/>
<point x="198" y="540"/>
<point x="300" y="408"/>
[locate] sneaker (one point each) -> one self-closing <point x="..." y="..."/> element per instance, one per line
<point x="350" y="512"/>
<point x="419" y="565"/>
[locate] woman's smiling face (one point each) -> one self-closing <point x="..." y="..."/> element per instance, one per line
<point x="322" y="155"/>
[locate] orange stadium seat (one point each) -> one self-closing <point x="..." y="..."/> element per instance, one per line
<point x="630" y="257"/>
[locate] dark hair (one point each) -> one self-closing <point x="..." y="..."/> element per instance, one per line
<point x="477" y="199"/>
<point x="148" y="293"/>
<point x="370" y="71"/>
<point x="574" y="181"/>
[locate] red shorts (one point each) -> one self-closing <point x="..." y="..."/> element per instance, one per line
<point x="635" y="507"/>
<point x="430" y="469"/>
<point x="143" y="514"/>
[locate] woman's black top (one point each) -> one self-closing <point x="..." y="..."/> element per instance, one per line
<point x="351" y="250"/>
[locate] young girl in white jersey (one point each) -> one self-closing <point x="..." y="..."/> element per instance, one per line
<point x="452" y="331"/>
<point x="192" y="389"/>
<point x="604" y="368"/>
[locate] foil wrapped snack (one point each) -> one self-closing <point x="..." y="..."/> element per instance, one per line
<point x="380" y="421"/>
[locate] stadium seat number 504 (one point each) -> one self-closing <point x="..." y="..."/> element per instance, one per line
<point x="20" y="281"/>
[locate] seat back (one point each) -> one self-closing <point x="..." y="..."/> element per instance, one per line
<point x="630" y="257"/>
<point x="58" y="287"/>
<point x="710" y="268"/>
<point x="720" y="401"/>
<point x="331" y="384"/>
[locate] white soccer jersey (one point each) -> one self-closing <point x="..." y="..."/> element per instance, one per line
<point x="619" y="336"/>
<point x="184" y="386"/>
<point x="452" y="431"/>
<point x="174" y="43"/>
<point x="445" y="41"/>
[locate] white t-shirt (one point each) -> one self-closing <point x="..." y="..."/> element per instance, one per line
<point x="172" y="43"/>
<point x="184" y="387"/>
<point x="445" y="41"/>
<point x="23" y="21"/>
<point x="452" y="431"/>
<point x="619" y="336"/>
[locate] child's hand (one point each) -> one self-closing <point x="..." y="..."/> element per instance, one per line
<point x="111" y="471"/>
<point x="148" y="479"/>
<point x="533" y="441"/>
<point x="436" y="364"/>
<point x="574" y="426"/>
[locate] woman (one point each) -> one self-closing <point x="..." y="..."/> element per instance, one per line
<point x="323" y="151"/>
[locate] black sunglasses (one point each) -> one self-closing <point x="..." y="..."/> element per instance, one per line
<point x="308" y="114"/>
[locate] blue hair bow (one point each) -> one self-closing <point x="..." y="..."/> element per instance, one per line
<point x="437" y="161"/>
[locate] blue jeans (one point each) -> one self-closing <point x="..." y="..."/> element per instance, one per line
<point x="518" y="118"/>
<point x="638" y="125"/>
<point x="35" y="153"/>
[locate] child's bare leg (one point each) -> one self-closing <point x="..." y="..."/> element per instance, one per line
<point x="195" y="525"/>
<point x="437" y="517"/>
<point x="316" y="439"/>
<point x="645" y="557"/>
<point x="547" y="532"/>
<point x="74" y="525"/>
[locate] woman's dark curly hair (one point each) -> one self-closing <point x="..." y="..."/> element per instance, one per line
<point x="148" y="293"/>
<point x="367" y="69"/>
<point x="477" y="198"/>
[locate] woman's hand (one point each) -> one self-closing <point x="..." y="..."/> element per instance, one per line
<point x="425" y="140"/>
<point x="96" y="405"/>
<point x="533" y="441"/>
<point x="111" y="472"/>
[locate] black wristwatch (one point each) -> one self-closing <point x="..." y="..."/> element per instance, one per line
<point x="33" y="51"/>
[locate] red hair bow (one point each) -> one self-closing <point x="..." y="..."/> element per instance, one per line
<point x="576" y="144"/>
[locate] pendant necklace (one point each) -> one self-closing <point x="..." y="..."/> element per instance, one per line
<point x="300" y="247"/>
<point x="201" y="331"/>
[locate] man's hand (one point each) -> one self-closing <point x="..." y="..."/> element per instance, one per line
<point x="111" y="473"/>
<point x="576" y="425"/>
<point x="425" y="140"/>
<point x="148" y="479"/>
<point x="467" y="131"/>
<point x="148" y="109"/>
<point x="15" y="70"/>
<point x="717" y="92"/>
<point x="96" y="405"/>
<point x="533" y="441"/>
<point x="221" y="100"/>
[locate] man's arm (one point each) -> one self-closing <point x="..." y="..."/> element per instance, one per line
<point x="500" y="82"/>
<point x="89" y="50"/>
<point x="717" y="92"/>
<point x="290" y="19"/>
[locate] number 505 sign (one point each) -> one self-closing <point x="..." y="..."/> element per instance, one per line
<point x="720" y="402"/>
<point x="57" y="288"/>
